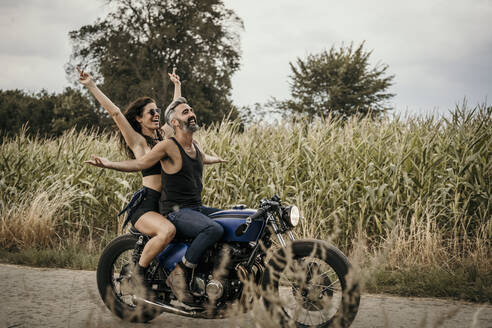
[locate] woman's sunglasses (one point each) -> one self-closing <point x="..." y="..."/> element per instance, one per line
<point x="154" y="111"/>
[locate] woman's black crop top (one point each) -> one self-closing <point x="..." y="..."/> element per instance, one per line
<point x="156" y="169"/>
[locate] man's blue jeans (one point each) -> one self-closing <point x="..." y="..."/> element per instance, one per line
<point x="195" y="223"/>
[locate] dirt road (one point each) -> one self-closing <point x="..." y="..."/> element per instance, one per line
<point x="33" y="297"/>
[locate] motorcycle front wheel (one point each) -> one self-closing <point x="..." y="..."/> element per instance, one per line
<point x="116" y="283"/>
<point x="310" y="283"/>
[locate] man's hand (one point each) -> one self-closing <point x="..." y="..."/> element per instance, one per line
<point x="85" y="78"/>
<point x="220" y="160"/>
<point x="213" y="159"/>
<point x="133" y="165"/>
<point x="99" y="162"/>
<point x="174" y="77"/>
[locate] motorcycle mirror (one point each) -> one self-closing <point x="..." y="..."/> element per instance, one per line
<point x="241" y="229"/>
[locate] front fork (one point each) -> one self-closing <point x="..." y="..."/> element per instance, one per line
<point x="277" y="231"/>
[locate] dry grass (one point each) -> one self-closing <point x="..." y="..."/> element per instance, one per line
<point x="33" y="221"/>
<point x="422" y="260"/>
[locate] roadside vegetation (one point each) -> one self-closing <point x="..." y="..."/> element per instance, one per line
<point x="410" y="200"/>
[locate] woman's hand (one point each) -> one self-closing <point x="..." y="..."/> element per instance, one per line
<point x="174" y="77"/>
<point x="85" y="78"/>
<point x="99" y="162"/>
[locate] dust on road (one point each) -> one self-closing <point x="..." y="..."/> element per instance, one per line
<point x="35" y="297"/>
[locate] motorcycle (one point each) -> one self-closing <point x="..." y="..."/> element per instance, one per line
<point x="312" y="278"/>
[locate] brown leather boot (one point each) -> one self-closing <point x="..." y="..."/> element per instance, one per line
<point x="177" y="282"/>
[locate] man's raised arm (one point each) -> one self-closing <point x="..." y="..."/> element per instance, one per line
<point x="157" y="153"/>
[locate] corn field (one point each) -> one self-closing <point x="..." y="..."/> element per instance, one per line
<point x="420" y="186"/>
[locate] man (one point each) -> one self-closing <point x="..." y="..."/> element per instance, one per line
<point x="182" y="166"/>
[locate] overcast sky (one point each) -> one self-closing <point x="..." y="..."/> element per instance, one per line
<point x="439" y="51"/>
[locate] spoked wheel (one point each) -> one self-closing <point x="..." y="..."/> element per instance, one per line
<point x="307" y="283"/>
<point x="117" y="284"/>
<point x="319" y="286"/>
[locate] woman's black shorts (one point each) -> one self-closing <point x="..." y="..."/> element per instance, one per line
<point x="150" y="202"/>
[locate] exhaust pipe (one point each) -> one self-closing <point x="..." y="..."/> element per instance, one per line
<point x="167" y="308"/>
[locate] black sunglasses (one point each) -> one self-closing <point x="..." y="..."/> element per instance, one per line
<point x="153" y="111"/>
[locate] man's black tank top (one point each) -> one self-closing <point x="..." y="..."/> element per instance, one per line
<point x="182" y="189"/>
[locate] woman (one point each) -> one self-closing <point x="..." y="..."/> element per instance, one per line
<point x="140" y="131"/>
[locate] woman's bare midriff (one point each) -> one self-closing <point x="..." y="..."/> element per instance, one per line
<point x="153" y="182"/>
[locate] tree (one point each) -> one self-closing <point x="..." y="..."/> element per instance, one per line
<point x="18" y="108"/>
<point x="140" y="41"/>
<point x="338" y="81"/>
<point x="73" y="109"/>
<point x="48" y="114"/>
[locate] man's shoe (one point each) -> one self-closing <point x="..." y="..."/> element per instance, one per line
<point x="177" y="282"/>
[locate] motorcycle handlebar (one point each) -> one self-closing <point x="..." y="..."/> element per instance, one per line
<point x="258" y="213"/>
<point x="241" y="230"/>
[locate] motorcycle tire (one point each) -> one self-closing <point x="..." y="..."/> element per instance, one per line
<point x="308" y="284"/>
<point x="118" y="253"/>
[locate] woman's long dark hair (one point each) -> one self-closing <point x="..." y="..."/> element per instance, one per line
<point x="131" y="112"/>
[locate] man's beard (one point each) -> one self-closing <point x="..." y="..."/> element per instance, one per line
<point x="185" y="125"/>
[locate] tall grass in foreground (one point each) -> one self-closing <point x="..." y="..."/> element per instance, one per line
<point x="415" y="193"/>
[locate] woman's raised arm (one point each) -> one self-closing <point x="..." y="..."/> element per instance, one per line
<point x="177" y="84"/>
<point x="166" y="129"/>
<point x="132" y="138"/>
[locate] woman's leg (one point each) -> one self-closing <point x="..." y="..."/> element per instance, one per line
<point x="161" y="232"/>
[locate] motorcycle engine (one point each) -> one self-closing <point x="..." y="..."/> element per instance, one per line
<point x="227" y="286"/>
<point x="214" y="289"/>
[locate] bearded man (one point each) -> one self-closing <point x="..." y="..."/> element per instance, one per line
<point x="182" y="165"/>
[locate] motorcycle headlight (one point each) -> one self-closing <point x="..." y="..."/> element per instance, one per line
<point x="292" y="215"/>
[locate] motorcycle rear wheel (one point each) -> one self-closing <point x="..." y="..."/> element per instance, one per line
<point x="117" y="284"/>
<point x="307" y="283"/>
